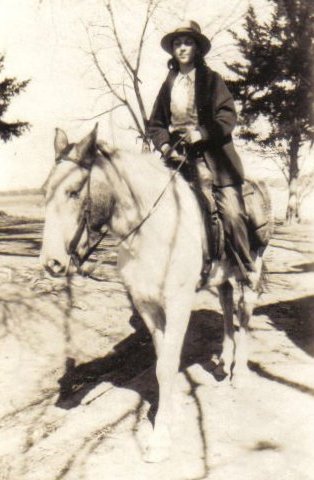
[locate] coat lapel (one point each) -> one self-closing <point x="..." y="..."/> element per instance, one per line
<point x="167" y="94"/>
<point x="203" y="81"/>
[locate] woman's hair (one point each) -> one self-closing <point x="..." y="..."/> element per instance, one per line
<point x="199" y="61"/>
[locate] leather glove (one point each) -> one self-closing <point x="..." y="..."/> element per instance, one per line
<point x="175" y="157"/>
<point x="193" y="136"/>
<point x="172" y="155"/>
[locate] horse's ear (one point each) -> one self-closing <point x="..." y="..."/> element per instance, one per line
<point x="85" y="150"/>
<point x="61" y="142"/>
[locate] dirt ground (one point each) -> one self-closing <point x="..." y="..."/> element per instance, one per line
<point x="78" y="384"/>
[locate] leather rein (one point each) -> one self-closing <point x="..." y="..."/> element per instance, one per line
<point x="85" y="221"/>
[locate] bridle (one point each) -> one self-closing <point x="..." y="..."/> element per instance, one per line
<point x="85" y="221"/>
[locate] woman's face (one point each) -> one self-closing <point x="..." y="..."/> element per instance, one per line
<point x="184" y="49"/>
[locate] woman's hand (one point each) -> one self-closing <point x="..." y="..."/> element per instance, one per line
<point x="170" y="154"/>
<point x="176" y="157"/>
<point x="165" y="149"/>
<point x="192" y="136"/>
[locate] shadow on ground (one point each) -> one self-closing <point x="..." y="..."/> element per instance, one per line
<point x="135" y="355"/>
<point x="295" y="318"/>
<point x="304" y="267"/>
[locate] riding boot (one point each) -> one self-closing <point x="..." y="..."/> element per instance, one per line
<point x="203" y="189"/>
<point x="232" y="211"/>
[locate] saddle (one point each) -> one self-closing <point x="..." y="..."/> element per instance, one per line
<point x="258" y="209"/>
<point x="260" y="224"/>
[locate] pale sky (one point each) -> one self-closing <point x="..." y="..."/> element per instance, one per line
<point x="46" y="41"/>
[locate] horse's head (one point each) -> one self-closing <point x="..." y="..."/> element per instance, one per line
<point x="74" y="219"/>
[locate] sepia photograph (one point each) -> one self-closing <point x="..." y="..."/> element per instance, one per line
<point x="156" y="239"/>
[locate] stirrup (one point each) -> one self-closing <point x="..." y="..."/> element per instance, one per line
<point x="252" y="280"/>
<point x="207" y="266"/>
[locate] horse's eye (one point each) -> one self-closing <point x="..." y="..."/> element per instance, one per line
<point x="73" y="194"/>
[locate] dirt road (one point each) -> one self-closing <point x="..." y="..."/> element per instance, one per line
<point x="77" y="375"/>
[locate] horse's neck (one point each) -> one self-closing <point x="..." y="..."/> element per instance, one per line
<point x="130" y="183"/>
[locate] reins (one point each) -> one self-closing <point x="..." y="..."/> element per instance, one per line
<point x="85" y="221"/>
<point x="86" y="216"/>
<point x="156" y="202"/>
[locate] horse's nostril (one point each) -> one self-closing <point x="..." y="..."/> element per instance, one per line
<point x="55" y="267"/>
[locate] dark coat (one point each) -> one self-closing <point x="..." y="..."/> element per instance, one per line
<point x="217" y="119"/>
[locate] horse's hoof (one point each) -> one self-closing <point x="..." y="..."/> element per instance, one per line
<point x="159" y="446"/>
<point x="156" y="454"/>
<point x="220" y="371"/>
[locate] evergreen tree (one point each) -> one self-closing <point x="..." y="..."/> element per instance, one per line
<point x="275" y="81"/>
<point x="9" y="88"/>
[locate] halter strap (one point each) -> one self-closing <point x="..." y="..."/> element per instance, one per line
<point x="85" y="220"/>
<point x="86" y="216"/>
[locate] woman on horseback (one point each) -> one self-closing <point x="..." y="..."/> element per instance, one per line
<point x="194" y="116"/>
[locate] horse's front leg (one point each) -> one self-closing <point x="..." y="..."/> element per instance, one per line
<point x="154" y="318"/>
<point x="246" y="304"/>
<point x="168" y="360"/>
<point x="226" y="359"/>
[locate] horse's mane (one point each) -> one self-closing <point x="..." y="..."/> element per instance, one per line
<point x="145" y="174"/>
<point x="147" y="163"/>
<point x="139" y="177"/>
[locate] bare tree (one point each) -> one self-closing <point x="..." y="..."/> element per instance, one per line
<point x="116" y="51"/>
<point x="127" y="91"/>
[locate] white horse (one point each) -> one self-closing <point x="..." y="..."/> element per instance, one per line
<point x="158" y="219"/>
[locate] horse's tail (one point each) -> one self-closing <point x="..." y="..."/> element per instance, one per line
<point x="264" y="191"/>
<point x="261" y="220"/>
<point x="259" y="210"/>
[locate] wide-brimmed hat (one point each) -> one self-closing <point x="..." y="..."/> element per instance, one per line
<point x="190" y="28"/>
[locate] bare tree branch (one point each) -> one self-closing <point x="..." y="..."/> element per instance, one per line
<point x="102" y="113"/>
<point x="124" y="58"/>
<point x="151" y="8"/>
<point x="281" y="167"/>
<point x="227" y="21"/>
<point x="105" y="79"/>
<point x="126" y="64"/>
<point x="123" y="100"/>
